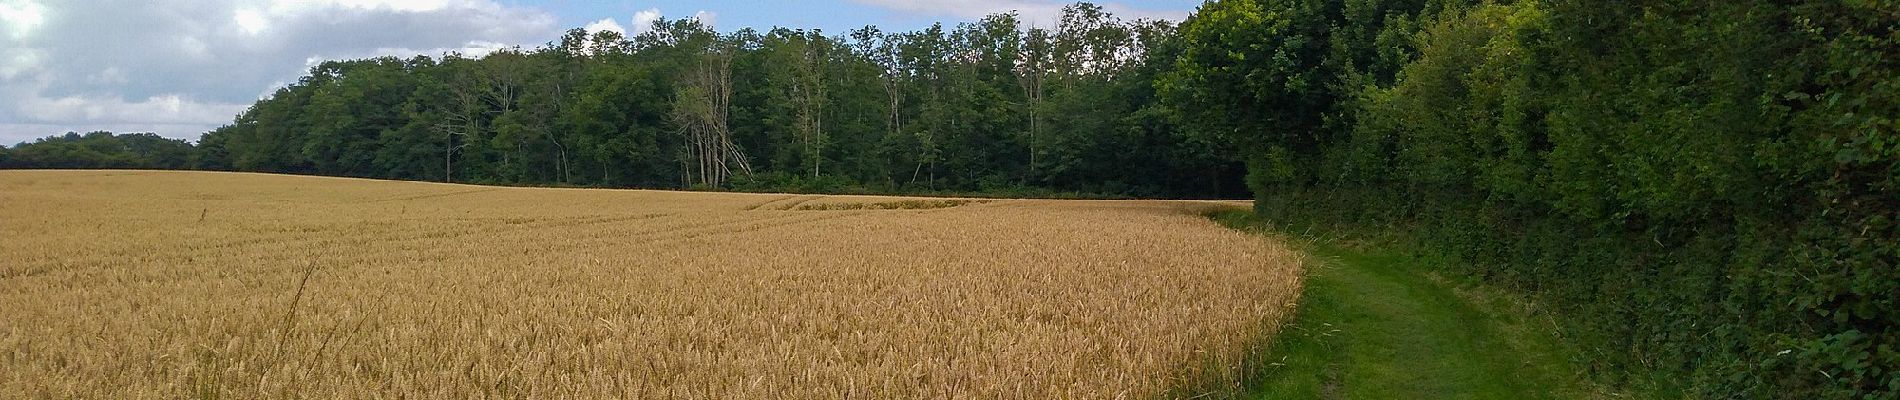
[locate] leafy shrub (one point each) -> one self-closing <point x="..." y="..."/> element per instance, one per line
<point x="1708" y="188"/>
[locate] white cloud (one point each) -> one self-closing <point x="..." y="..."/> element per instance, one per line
<point x="167" y="109"/>
<point x="605" y="25"/>
<point x="18" y="62"/>
<point x="475" y="49"/>
<point x="188" y="66"/>
<point x="251" y="21"/>
<point x="194" y="47"/>
<point x="478" y="48"/>
<point x="34" y="116"/>
<point x="643" y="20"/>
<point x="110" y="75"/>
<point x="21" y="17"/>
<point x="388" y="5"/>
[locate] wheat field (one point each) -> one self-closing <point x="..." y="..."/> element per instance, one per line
<point x="146" y="284"/>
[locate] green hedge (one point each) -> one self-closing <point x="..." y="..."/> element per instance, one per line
<point x="1707" y="189"/>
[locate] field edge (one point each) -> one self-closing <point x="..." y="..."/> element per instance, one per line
<point x="1321" y="352"/>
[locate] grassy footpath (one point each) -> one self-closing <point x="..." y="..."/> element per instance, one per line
<point x="1374" y="324"/>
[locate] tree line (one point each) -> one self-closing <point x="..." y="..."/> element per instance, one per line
<point x="986" y="106"/>
<point x="101" y="150"/>
<point x="1707" y="190"/>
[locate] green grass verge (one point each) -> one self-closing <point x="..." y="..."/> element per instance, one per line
<point x="1375" y="323"/>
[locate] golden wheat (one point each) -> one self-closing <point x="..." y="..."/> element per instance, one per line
<point x="136" y="284"/>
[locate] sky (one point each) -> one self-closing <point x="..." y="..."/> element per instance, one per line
<point x="180" y="68"/>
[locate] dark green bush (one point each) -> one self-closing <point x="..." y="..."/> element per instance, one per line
<point x="100" y="150"/>
<point x="1706" y="189"/>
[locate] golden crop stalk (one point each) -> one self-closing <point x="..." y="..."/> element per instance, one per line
<point x="137" y="284"/>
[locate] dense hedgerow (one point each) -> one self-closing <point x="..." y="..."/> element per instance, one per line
<point x="1706" y="188"/>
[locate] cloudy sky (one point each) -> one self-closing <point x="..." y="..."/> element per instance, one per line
<point x="182" y="67"/>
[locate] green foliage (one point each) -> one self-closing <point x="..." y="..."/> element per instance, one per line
<point x="100" y="150"/>
<point x="1709" y="187"/>
<point x="982" y="106"/>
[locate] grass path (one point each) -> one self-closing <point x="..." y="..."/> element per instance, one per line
<point x="1373" y="325"/>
